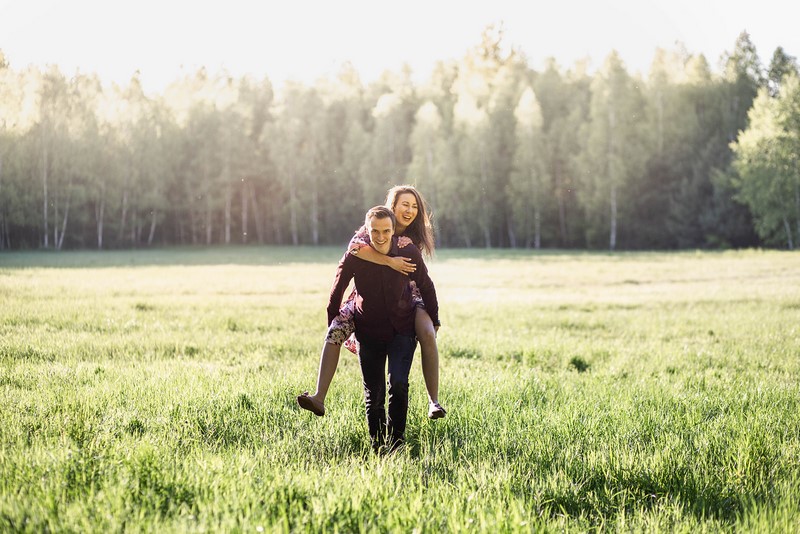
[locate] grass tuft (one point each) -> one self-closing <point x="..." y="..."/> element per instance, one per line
<point x="579" y="364"/>
<point x="638" y="392"/>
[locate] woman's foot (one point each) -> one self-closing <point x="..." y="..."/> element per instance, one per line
<point x="308" y="402"/>
<point x="435" y="410"/>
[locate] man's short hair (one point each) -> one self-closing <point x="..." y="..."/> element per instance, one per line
<point x="380" y="212"/>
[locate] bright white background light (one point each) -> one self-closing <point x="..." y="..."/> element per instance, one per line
<point x="305" y="39"/>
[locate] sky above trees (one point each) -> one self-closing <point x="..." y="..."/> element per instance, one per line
<point x="306" y="39"/>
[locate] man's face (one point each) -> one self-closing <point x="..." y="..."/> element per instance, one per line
<point x="380" y="233"/>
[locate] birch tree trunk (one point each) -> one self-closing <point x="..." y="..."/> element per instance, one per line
<point x="244" y="191"/>
<point x="512" y="236"/>
<point x="797" y="199"/>
<point x="429" y="164"/>
<point x="228" y="201"/>
<point x="788" y="228"/>
<point x="55" y="220"/>
<point x="660" y="111"/>
<point x="139" y="226"/>
<point x="193" y="222"/>
<point x="152" y="228"/>
<point x="124" y="215"/>
<point x="134" y="224"/>
<point x="612" y="243"/>
<point x="59" y="235"/>
<point x="100" y="224"/>
<point x="562" y="216"/>
<point x="465" y="233"/>
<point x="612" y="237"/>
<point x="181" y="230"/>
<point x="536" y="211"/>
<point x="2" y="215"/>
<point x="66" y="217"/>
<point x="45" y="202"/>
<point x="99" y="212"/>
<point x="6" y="236"/>
<point x="209" y="234"/>
<point x="315" y="214"/>
<point x="257" y="218"/>
<point x="562" y="206"/>
<point x="276" y="226"/>
<point x="432" y="181"/>
<point x="485" y="223"/>
<point x="293" y="208"/>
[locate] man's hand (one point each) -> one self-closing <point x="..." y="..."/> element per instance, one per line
<point x="401" y="265"/>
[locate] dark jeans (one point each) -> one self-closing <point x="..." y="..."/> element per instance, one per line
<point x="372" y="356"/>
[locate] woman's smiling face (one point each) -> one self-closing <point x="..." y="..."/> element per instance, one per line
<point x="405" y="210"/>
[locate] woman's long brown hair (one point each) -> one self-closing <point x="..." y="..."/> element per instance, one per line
<point x="420" y="231"/>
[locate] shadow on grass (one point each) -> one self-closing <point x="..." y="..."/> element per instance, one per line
<point x="600" y="496"/>
<point x="179" y="256"/>
<point x="563" y="485"/>
<point x="282" y="254"/>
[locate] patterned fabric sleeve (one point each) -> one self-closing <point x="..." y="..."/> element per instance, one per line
<point x="359" y="241"/>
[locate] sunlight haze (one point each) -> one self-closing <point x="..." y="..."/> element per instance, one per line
<point x="305" y="40"/>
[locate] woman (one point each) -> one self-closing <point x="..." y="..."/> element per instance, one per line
<point x="413" y="223"/>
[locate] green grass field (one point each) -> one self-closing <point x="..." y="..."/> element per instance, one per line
<point x="646" y="392"/>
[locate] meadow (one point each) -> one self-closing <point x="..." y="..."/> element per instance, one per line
<point x="154" y="391"/>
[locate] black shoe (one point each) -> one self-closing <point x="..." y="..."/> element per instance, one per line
<point x="396" y="444"/>
<point x="378" y="446"/>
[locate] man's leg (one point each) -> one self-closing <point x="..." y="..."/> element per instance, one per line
<point x="372" y="357"/>
<point x="401" y="354"/>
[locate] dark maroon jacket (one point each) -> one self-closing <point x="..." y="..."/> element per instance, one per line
<point x="384" y="306"/>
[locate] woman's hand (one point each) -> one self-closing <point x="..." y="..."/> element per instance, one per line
<point x="401" y="264"/>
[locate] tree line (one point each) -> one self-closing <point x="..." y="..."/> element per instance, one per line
<point x="507" y="156"/>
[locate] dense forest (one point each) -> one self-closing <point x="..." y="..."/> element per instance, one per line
<point x="692" y="156"/>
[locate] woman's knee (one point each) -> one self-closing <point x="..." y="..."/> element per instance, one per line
<point x="424" y="326"/>
<point x="426" y="336"/>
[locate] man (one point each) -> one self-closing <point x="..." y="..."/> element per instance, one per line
<point x="384" y="324"/>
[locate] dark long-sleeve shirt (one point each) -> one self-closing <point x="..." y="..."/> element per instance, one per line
<point x="384" y="306"/>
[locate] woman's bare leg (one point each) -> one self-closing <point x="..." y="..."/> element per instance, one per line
<point x="328" y="362"/>
<point x="426" y="335"/>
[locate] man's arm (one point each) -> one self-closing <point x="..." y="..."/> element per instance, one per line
<point x="398" y="263"/>
<point x="344" y="273"/>
<point x="424" y="283"/>
<point x="361" y="247"/>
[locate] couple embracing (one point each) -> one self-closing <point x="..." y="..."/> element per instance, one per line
<point x="393" y="306"/>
